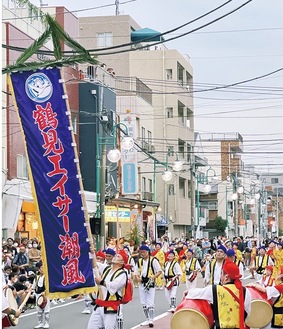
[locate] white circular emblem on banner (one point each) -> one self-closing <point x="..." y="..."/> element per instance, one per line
<point x="39" y="87"/>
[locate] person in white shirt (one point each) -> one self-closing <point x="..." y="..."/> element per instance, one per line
<point x="231" y="255"/>
<point x="213" y="270"/>
<point x="172" y="274"/>
<point x="192" y="266"/>
<point x="112" y="281"/>
<point x="146" y="271"/>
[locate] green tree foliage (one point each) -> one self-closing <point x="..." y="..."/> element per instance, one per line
<point x="220" y="224"/>
<point x="135" y="235"/>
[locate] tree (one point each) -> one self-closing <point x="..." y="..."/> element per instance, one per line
<point x="135" y="235"/>
<point x="220" y="224"/>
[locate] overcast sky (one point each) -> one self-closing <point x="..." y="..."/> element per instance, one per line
<point x="244" y="45"/>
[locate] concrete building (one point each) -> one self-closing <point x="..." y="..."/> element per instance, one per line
<point x="163" y="79"/>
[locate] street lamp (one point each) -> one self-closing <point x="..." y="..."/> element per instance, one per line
<point x="205" y="181"/>
<point x="166" y="175"/>
<point x="114" y="155"/>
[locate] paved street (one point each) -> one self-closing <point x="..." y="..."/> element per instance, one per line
<point x="68" y="315"/>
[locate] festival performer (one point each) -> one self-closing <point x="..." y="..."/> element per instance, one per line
<point x="172" y="274"/>
<point x="159" y="254"/>
<point x="278" y="261"/>
<point x="267" y="280"/>
<point x="146" y="271"/>
<point x="182" y="261"/>
<point x="231" y="255"/>
<point x="88" y="299"/>
<point x="112" y="282"/>
<point x="42" y="302"/>
<point x="275" y="293"/>
<point x="7" y="310"/>
<point x="238" y="253"/>
<point x="260" y="262"/>
<point x="172" y="247"/>
<point x="213" y="270"/>
<point x="230" y="300"/>
<point x="192" y="266"/>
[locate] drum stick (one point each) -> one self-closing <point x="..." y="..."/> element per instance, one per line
<point x="25" y="300"/>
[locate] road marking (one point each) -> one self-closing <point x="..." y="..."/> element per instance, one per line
<point x="145" y="323"/>
<point x="53" y="307"/>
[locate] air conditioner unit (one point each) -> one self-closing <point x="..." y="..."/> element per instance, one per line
<point x="151" y="149"/>
<point x="145" y="146"/>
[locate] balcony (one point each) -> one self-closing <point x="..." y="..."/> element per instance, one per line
<point x="147" y="196"/>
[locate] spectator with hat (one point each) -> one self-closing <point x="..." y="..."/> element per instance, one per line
<point x="146" y="271"/>
<point x="230" y="299"/>
<point x="192" y="266"/>
<point x="213" y="271"/>
<point x="260" y="262"/>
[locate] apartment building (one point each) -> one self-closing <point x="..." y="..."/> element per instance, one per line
<point x="154" y="84"/>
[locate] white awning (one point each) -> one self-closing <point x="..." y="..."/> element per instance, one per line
<point x="11" y="208"/>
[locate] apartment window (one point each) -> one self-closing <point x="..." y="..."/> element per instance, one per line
<point x="182" y="189"/>
<point x="181" y="148"/>
<point x="150" y="186"/>
<point x="104" y="39"/>
<point x="74" y="124"/>
<point x="144" y="184"/>
<point x="149" y="136"/>
<point x="169" y="74"/>
<point x="169" y="111"/>
<point x="143" y="134"/>
<point x="171" y="189"/>
<point x="274" y="180"/>
<point x="22" y="169"/>
<point x="180" y="73"/>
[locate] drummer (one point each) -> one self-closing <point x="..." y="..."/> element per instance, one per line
<point x="192" y="266"/>
<point x="222" y="298"/>
<point x="274" y="293"/>
<point x="260" y="262"/>
<point x="213" y="270"/>
<point x="7" y="310"/>
<point x="43" y="313"/>
<point x="172" y="273"/>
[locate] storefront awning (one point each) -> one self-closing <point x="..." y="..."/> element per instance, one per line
<point x="11" y="208"/>
<point x="146" y="35"/>
<point x="128" y="202"/>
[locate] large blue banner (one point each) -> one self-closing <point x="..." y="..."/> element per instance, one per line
<point x="55" y="177"/>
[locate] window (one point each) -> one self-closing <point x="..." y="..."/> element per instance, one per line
<point x="104" y="39"/>
<point x="150" y="186"/>
<point x="143" y="133"/>
<point x="74" y="124"/>
<point x="169" y="111"/>
<point x="149" y="136"/>
<point x="169" y="74"/>
<point x="144" y="184"/>
<point x="171" y="189"/>
<point x="22" y="170"/>
<point x="182" y="189"/>
<point x="181" y="148"/>
<point x="274" y="180"/>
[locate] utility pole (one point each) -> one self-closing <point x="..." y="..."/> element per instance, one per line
<point x="117" y="12"/>
<point x="193" y="194"/>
